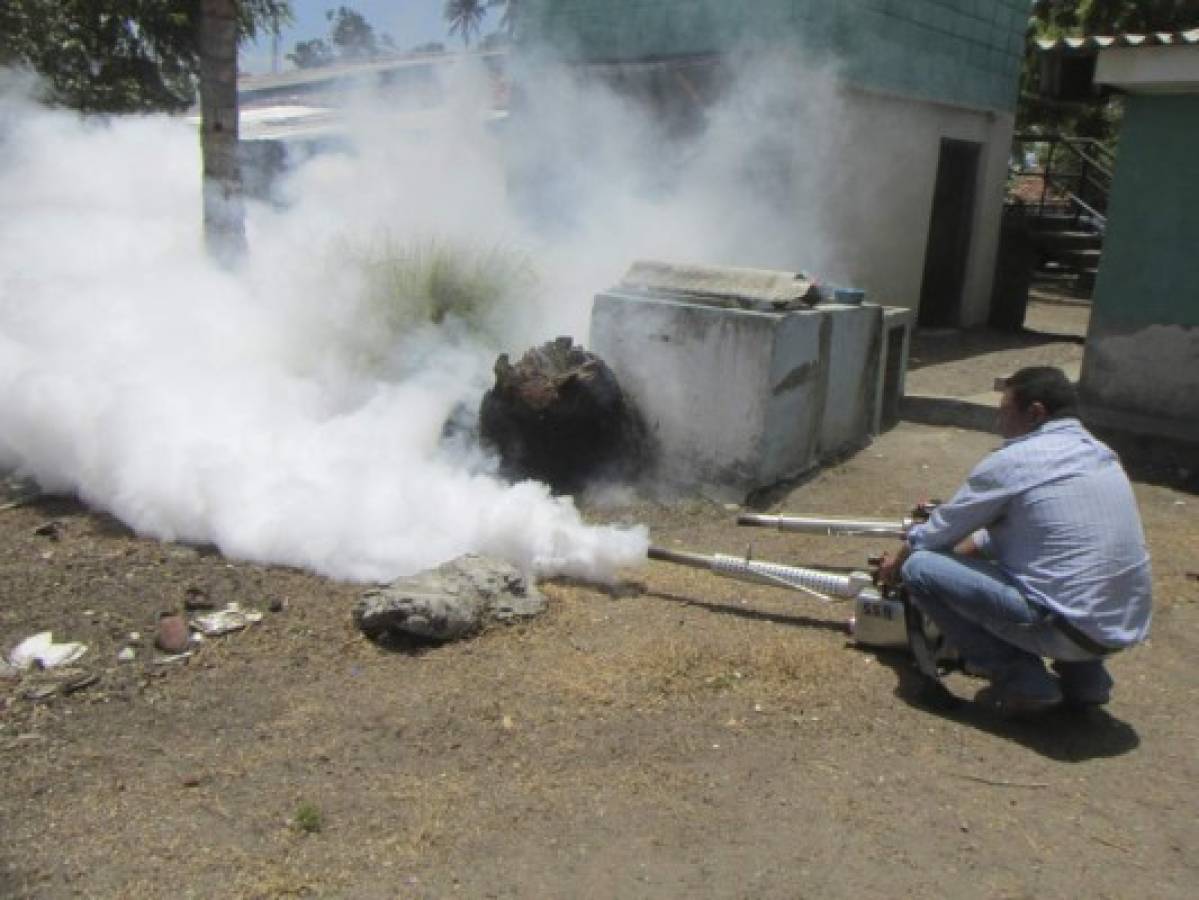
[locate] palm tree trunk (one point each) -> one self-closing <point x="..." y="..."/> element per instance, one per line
<point x="224" y="212"/>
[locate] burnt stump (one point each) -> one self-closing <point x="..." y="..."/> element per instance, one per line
<point x="559" y="416"/>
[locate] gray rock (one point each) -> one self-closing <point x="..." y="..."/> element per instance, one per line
<point x="455" y="600"/>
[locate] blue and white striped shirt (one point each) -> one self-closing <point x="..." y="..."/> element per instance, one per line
<point x="1055" y="510"/>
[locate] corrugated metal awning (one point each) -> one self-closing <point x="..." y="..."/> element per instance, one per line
<point x="1086" y="46"/>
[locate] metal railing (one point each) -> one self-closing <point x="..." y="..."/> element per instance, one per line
<point x="1075" y="175"/>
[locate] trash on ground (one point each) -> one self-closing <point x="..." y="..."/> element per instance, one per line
<point x="231" y="618"/>
<point x="62" y="681"/>
<point x="79" y="682"/>
<point x="172" y="658"/>
<point x="40" y="650"/>
<point x="127" y="655"/>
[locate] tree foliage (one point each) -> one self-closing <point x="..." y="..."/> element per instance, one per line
<point x="351" y="39"/>
<point x="351" y="34"/>
<point x="1098" y="117"/>
<point x="118" y="55"/>
<point x="508" y="17"/>
<point x="312" y="54"/>
<point x="1054" y="18"/>
<point x="465" y="17"/>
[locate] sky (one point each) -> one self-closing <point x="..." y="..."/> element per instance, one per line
<point x="410" y="22"/>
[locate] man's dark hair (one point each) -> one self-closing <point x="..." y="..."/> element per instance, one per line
<point x="1047" y="385"/>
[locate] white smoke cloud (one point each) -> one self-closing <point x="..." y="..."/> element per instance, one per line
<point x="202" y="406"/>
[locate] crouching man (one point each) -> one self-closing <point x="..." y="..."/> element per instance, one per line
<point x="1040" y="554"/>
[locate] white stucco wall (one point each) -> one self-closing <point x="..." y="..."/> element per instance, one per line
<point x="881" y="225"/>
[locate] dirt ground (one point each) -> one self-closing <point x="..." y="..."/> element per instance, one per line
<point x="681" y="735"/>
<point x="965" y="363"/>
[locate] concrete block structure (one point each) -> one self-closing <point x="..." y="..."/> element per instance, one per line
<point x="739" y="399"/>
<point x="929" y="87"/>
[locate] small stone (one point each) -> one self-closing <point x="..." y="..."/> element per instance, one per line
<point x="455" y="600"/>
<point x="127" y="655"/>
<point x="192" y="780"/>
<point x="173" y="635"/>
<point x="52" y="530"/>
<point x="197" y="599"/>
<point x="277" y="605"/>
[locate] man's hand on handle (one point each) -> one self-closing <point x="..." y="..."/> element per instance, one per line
<point x="891" y="564"/>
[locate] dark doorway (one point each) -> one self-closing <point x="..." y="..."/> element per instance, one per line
<point x="949" y="232"/>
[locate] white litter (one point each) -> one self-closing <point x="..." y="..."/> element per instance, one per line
<point x="40" y="650"/>
<point x="168" y="660"/>
<point x="231" y="618"/>
<point x="127" y="655"/>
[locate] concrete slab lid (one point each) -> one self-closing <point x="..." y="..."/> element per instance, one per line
<point x="721" y="285"/>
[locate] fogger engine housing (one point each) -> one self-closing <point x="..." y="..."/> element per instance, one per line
<point x="878" y="621"/>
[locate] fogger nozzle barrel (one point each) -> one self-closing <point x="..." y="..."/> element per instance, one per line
<point x="829" y="525"/>
<point x="680" y="557"/>
<point x="815" y="581"/>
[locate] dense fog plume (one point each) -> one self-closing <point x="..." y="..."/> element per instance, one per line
<point x="262" y="413"/>
<point x="293" y="412"/>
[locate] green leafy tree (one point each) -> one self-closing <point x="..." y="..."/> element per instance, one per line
<point x="351" y="34"/>
<point x="351" y="39"/>
<point x="119" y="55"/>
<point x="508" y="17"/>
<point x="1098" y="117"/>
<point x="1058" y="17"/>
<point x="465" y="17"/>
<point x="311" y="54"/>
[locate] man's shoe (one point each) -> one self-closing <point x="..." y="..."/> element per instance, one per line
<point x="1021" y="690"/>
<point x="1012" y="703"/>
<point x="1084" y="684"/>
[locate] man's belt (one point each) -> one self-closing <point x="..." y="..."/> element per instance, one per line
<point x="1086" y="642"/>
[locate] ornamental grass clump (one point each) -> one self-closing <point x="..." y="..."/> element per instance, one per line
<point x="409" y="284"/>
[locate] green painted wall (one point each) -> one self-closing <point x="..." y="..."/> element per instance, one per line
<point x="1150" y="268"/>
<point x="958" y="51"/>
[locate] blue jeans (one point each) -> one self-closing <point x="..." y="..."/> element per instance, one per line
<point x="981" y="612"/>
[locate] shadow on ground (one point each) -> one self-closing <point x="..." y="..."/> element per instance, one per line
<point x="752" y="614"/>
<point x="1063" y="734"/>
<point x="934" y="347"/>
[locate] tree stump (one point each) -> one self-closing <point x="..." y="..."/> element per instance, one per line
<point x="559" y="416"/>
